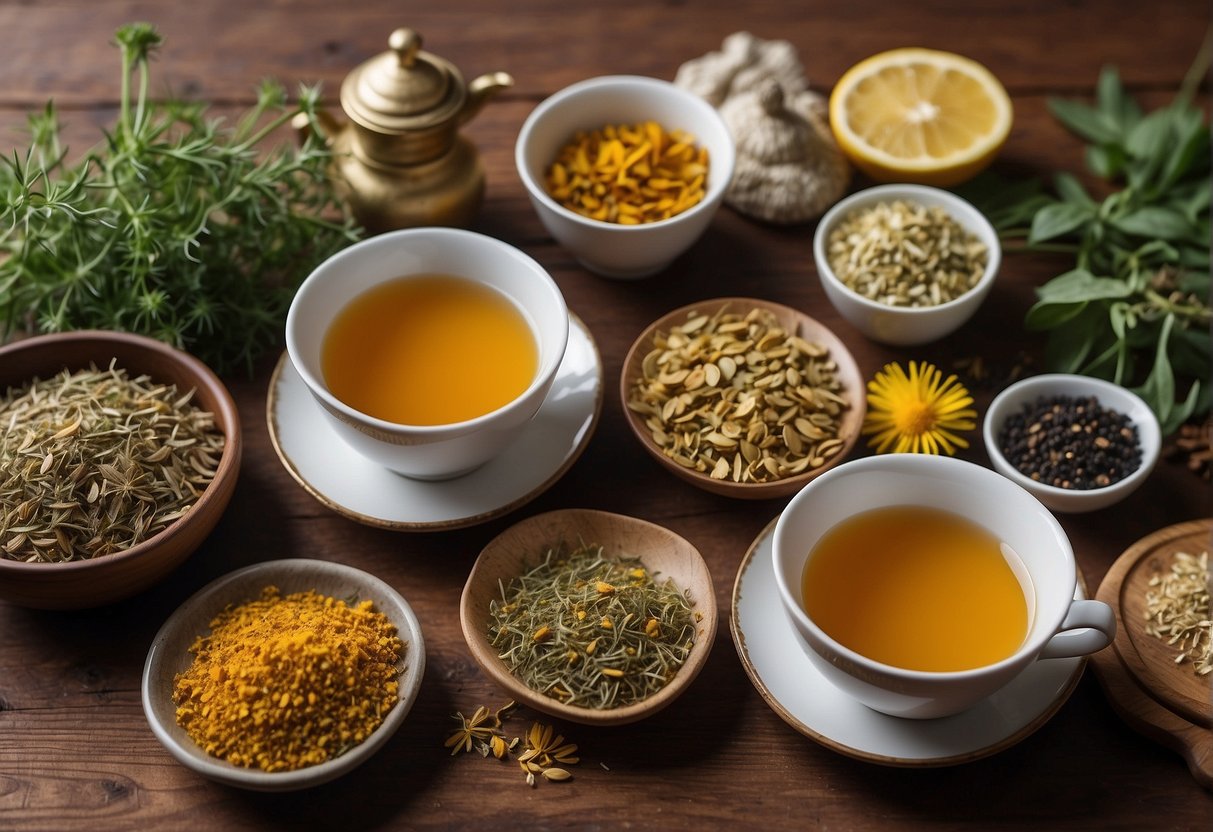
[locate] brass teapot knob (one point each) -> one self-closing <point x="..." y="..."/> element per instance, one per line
<point x="406" y="44"/>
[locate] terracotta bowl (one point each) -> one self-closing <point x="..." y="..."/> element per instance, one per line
<point x="169" y="655"/>
<point x="520" y="547"/>
<point x="91" y="583"/>
<point x="795" y="322"/>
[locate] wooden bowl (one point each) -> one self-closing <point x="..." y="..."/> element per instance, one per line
<point x="520" y="548"/>
<point x="91" y="583"/>
<point x="169" y="655"/>
<point x="795" y="322"/>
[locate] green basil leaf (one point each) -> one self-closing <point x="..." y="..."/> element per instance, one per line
<point x="1118" y="316"/>
<point x="1048" y="315"/>
<point x="1115" y="105"/>
<point x="1181" y="413"/>
<point x="1151" y="136"/>
<point x="1193" y="198"/>
<point x="1190" y="155"/>
<point x="1069" y="345"/>
<point x="1058" y="219"/>
<point x="1071" y="190"/>
<point x="1191" y="351"/>
<point x="1155" y="221"/>
<point x="1107" y="364"/>
<point x="1106" y="161"/>
<point x="1194" y="280"/>
<point x="1080" y="285"/>
<point x="1086" y="121"/>
<point x="1159" y="387"/>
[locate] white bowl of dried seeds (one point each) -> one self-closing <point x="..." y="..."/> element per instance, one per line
<point x="906" y="264"/>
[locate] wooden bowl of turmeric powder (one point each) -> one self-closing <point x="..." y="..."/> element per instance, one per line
<point x="283" y="675"/>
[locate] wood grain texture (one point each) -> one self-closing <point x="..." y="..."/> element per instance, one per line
<point x="75" y="750"/>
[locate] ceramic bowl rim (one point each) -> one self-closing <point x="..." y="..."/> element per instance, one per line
<point x="229" y="460"/>
<point x="738" y="490"/>
<point x="452" y="236"/>
<point x="1149" y="434"/>
<point x="721" y="170"/>
<point x="254" y="577"/>
<point x="695" y="662"/>
<point x="984" y="230"/>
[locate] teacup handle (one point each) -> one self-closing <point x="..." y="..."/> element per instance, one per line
<point x="1096" y="625"/>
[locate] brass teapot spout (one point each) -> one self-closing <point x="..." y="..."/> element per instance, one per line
<point x="400" y="159"/>
<point x="481" y="90"/>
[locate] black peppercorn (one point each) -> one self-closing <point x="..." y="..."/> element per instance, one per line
<point x="1071" y="442"/>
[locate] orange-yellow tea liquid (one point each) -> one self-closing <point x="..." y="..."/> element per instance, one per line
<point x="916" y="588"/>
<point x="429" y="350"/>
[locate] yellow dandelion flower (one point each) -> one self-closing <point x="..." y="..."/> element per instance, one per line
<point x="921" y="413"/>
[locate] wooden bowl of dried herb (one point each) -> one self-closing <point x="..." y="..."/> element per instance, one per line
<point x="589" y="616"/>
<point x="743" y="397"/>
<point x="118" y="456"/>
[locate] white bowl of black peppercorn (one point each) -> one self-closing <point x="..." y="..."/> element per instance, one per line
<point x="1077" y="443"/>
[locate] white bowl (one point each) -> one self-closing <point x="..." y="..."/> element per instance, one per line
<point x="1011" y="400"/>
<point x="428" y="452"/>
<point x="609" y="249"/>
<point x="169" y="655"/>
<point x="905" y="326"/>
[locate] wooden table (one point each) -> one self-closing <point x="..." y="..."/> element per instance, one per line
<point x="75" y="751"/>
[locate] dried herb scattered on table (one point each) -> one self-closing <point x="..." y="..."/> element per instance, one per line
<point x="178" y="226"/>
<point x="591" y="631"/>
<point x="1134" y="309"/>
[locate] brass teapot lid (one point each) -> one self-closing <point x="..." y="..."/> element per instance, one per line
<point x="403" y="89"/>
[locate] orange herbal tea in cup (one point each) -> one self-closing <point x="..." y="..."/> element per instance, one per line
<point x="429" y="350"/>
<point x="917" y="588"/>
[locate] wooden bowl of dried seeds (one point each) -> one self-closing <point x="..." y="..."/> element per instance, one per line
<point x="743" y="397"/>
<point x="589" y="616"/>
<point x="119" y="455"/>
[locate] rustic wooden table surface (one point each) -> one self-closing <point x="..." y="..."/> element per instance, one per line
<point x="75" y="750"/>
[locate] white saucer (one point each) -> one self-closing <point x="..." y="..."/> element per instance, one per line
<point x="775" y="660"/>
<point x="357" y="488"/>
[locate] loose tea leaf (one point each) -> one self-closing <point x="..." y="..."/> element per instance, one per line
<point x="94" y="462"/>
<point x="590" y="631"/>
<point x="178" y="226"/>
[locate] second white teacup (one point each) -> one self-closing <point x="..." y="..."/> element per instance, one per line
<point x="428" y="451"/>
<point x="1043" y="562"/>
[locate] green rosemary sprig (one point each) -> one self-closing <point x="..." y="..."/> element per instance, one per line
<point x="591" y="631"/>
<point x="177" y="226"/>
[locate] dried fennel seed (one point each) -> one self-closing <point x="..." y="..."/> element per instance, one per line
<point x="592" y="632"/>
<point x="739" y="397"/>
<point x="1177" y="610"/>
<point x="94" y="462"/>
<point x="629" y="174"/>
<point x="542" y="747"/>
<point x="906" y="254"/>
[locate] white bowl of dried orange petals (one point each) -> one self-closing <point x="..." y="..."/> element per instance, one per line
<point x="626" y="172"/>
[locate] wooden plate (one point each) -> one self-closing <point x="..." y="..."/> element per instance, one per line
<point x="1165" y="701"/>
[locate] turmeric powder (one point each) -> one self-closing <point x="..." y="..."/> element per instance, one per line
<point x="281" y="683"/>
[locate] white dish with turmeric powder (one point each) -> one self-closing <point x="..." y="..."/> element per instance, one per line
<point x="250" y="681"/>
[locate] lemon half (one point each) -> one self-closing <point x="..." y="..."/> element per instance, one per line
<point x="920" y="115"/>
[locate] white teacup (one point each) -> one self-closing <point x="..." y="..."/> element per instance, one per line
<point x="428" y="452"/>
<point x="1058" y="625"/>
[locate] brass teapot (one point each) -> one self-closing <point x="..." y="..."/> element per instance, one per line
<point x="400" y="160"/>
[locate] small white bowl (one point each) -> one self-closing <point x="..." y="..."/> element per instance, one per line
<point x="428" y="452"/>
<point x="605" y="248"/>
<point x="906" y="326"/>
<point x="169" y="655"/>
<point x="1012" y="400"/>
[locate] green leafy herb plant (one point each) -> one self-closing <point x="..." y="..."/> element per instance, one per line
<point x="177" y="226"/>
<point x="1135" y="307"/>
